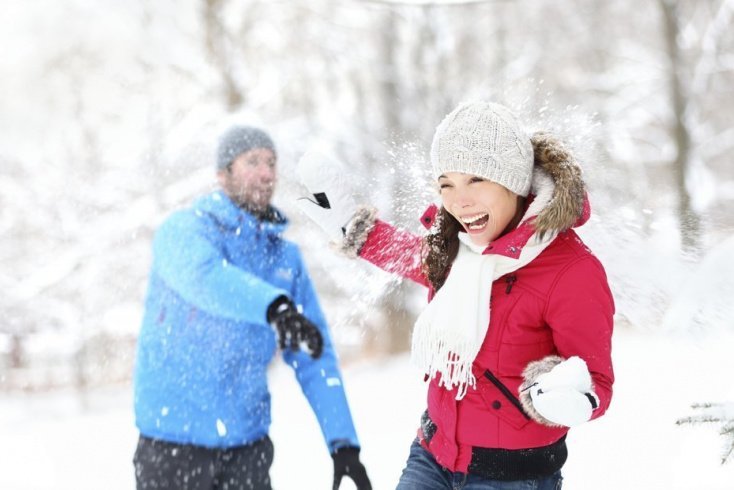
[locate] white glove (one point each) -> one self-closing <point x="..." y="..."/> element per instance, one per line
<point x="563" y="395"/>
<point x="330" y="203"/>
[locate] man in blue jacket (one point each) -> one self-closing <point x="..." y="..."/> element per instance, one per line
<point x="225" y="290"/>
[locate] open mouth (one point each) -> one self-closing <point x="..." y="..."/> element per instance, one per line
<point x="475" y="223"/>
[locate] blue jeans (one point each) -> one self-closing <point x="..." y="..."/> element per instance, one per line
<point x="422" y="472"/>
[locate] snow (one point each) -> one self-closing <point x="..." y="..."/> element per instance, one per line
<point x="704" y="299"/>
<point x="134" y="76"/>
<point x="61" y="440"/>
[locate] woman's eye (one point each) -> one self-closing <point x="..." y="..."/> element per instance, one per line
<point x="476" y="179"/>
<point x="443" y="186"/>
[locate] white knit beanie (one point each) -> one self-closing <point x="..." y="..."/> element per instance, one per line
<point x="486" y="140"/>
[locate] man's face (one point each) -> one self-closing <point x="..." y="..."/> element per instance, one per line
<point x="250" y="180"/>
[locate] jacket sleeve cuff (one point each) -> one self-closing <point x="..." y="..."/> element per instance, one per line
<point x="357" y="230"/>
<point x="593" y="399"/>
<point x="338" y="444"/>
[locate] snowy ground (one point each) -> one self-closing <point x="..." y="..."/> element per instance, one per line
<point x="51" y="441"/>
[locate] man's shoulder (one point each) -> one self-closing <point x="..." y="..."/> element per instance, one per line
<point x="188" y="219"/>
<point x="213" y="205"/>
<point x="181" y="216"/>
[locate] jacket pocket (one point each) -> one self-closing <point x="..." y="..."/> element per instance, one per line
<point x="503" y="401"/>
<point x="513" y="358"/>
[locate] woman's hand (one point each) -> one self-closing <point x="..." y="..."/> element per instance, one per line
<point x="562" y="394"/>
<point x="329" y="203"/>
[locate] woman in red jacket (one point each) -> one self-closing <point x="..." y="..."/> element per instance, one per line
<point x="516" y="337"/>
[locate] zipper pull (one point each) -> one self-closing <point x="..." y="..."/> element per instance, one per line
<point x="510" y="280"/>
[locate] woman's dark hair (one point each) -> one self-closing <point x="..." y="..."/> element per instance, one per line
<point x="440" y="249"/>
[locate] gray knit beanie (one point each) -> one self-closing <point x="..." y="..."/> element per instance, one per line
<point x="487" y="140"/>
<point x="238" y="140"/>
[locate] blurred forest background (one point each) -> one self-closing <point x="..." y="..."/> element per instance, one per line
<point x="110" y="111"/>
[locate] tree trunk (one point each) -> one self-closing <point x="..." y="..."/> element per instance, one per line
<point x="216" y="49"/>
<point x="689" y="221"/>
<point x="399" y="319"/>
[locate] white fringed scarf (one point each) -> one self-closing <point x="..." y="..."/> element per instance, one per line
<point x="450" y="331"/>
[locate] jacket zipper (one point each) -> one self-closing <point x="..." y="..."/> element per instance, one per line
<point x="510" y="280"/>
<point x="506" y="391"/>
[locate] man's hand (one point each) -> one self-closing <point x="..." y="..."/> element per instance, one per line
<point x="293" y="328"/>
<point x="329" y="203"/>
<point x="347" y="463"/>
<point x="564" y="395"/>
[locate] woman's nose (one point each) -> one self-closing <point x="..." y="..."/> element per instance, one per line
<point x="463" y="200"/>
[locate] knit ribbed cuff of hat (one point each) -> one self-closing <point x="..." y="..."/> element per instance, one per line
<point x="357" y="230"/>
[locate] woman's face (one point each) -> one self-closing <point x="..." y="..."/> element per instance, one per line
<point x="484" y="208"/>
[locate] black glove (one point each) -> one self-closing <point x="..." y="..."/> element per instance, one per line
<point x="346" y="463"/>
<point x="293" y="328"/>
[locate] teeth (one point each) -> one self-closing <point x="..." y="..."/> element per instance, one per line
<point x="471" y="219"/>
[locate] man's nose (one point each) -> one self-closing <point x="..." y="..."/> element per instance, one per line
<point x="266" y="172"/>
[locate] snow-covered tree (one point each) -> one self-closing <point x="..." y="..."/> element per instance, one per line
<point x="720" y="415"/>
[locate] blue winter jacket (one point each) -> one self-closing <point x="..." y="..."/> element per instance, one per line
<point x="205" y="345"/>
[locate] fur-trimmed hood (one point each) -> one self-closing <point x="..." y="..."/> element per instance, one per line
<point x="568" y="205"/>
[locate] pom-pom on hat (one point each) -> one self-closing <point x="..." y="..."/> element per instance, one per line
<point x="487" y="140"/>
<point x="238" y="140"/>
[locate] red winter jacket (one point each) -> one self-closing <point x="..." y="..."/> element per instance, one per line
<point x="559" y="304"/>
